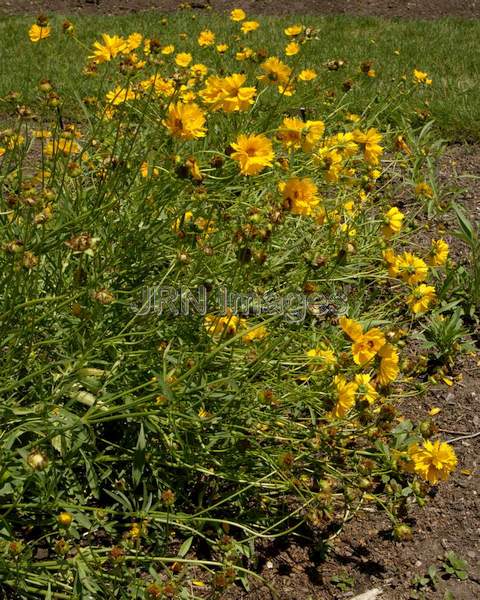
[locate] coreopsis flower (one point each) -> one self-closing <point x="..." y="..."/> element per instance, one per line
<point x="370" y="142"/>
<point x="423" y="189"/>
<point x="248" y="26"/>
<point x="63" y="146"/>
<point x="244" y="53"/>
<point x="294" y="133"/>
<point x="221" y="48"/>
<point x="65" y="519"/>
<point x="393" y="222"/>
<point x="365" y="344"/>
<point x="185" y="121"/>
<point x="421" y="298"/>
<point x="228" y="93"/>
<point x="411" y="268"/>
<point x="321" y="359"/>
<point x="256" y="334"/>
<point x="183" y="59"/>
<point x="206" y="38"/>
<point x="388" y="369"/>
<point x="286" y="90"/>
<point x="292" y="48"/>
<point x="275" y="71"/>
<point x="434" y="461"/>
<point x="147" y="171"/>
<point x="421" y="77"/>
<point x="228" y="324"/>
<point x="112" y="46"/>
<point x="134" y="41"/>
<point x="253" y="152"/>
<point x="345" y="391"/>
<point x="366" y="391"/>
<point x="300" y="195"/>
<point x="199" y="70"/>
<point x="237" y="14"/>
<point x="293" y="30"/>
<point x="307" y="75"/>
<point x="39" y="32"/>
<point x="168" y="49"/>
<point x="120" y="95"/>
<point x="438" y="253"/>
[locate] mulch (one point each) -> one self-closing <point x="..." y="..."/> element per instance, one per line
<point x="413" y="9"/>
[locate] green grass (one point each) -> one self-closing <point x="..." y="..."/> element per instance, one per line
<point x="446" y="49"/>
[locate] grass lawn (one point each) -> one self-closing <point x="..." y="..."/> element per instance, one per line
<point x="446" y="49"/>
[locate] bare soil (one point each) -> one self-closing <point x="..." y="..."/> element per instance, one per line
<point x="410" y="9"/>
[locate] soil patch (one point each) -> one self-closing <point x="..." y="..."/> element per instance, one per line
<point x="413" y="9"/>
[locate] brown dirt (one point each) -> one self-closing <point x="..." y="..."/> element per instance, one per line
<point x="423" y="9"/>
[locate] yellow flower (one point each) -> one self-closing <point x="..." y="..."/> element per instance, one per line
<point x="206" y="38"/>
<point x="393" y="222"/>
<point x="321" y="358"/>
<point x="275" y="71"/>
<point x="365" y="345"/>
<point x="388" y="369"/>
<point x="169" y="49"/>
<point x="244" y="54"/>
<point x="434" y="461"/>
<point x="183" y="59"/>
<point x="225" y="325"/>
<point x="65" y="519"/>
<point x="346" y="391"/>
<point x="292" y="48"/>
<point x="65" y="146"/>
<point x="199" y="70"/>
<point x="237" y="14"/>
<point x="421" y="77"/>
<point x="256" y="334"/>
<point x="370" y="141"/>
<point x="411" y="268"/>
<point x="366" y="389"/>
<point x="253" y="152"/>
<point x="185" y="121"/>
<point x="300" y="195"/>
<point x="38" y="32"/>
<point x="146" y="170"/>
<point x="421" y="298"/>
<point x="228" y="93"/>
<point x="423" y="189"/>
<point x="438" y="253"/>
<point x="293" y="30"/>
<point x="248" y="26"/>
<point x="307" y="75"/>
<point x="222" y="48"/>
<point x="112" y="46"/>
<point x="120" y="95"/>
<point x="133" y="42"/>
